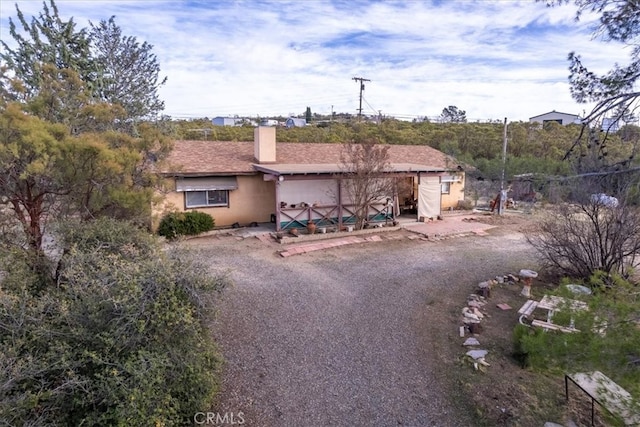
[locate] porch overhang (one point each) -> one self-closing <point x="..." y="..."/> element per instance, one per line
<point x="281" y="169"/>
<point x="295" y="181"/>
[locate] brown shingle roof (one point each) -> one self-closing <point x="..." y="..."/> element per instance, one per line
<point x="232" y="158"/>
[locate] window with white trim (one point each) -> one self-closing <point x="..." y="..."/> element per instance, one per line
<point x="445" y="183"/>
<point x="207" y="198"/>
<point x="445" y="188"/>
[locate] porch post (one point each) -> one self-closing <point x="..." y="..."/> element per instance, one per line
<point x="339" y="204"/>
<point x="418" y="196"/>
<point x="278" y="182"/>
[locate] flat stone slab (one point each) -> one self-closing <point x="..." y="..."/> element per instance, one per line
<point x="471" y="341"/>
<point x="477" y="354"/>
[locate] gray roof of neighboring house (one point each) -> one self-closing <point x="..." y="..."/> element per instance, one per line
<point x="554" y="112"/>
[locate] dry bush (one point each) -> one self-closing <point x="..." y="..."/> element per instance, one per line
<point x="580" y="239"/>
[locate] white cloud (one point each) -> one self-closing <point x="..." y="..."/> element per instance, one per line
<point x="493" y="59"/>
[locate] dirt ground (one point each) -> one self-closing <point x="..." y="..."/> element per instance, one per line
<point x="503" y="394"/>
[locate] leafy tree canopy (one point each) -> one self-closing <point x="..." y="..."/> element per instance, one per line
<point x="114" y="69"/>
<point x="45" y="172"/>
<point x="73" y="143"/>
<point x="129" y="71"/>
<point x="47" y="39"/>
<point x="453" y="115"/>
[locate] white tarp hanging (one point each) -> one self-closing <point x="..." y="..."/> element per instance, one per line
<point x="429" y="197"/>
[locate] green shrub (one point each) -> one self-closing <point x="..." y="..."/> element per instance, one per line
<point x="177" y="224"/>
<point x="197" y="222"/>
<point x="519" y="353"/>
<point x="121" y="340"/>
<point x="171" y="225"/>
<point x="608" y="339"/>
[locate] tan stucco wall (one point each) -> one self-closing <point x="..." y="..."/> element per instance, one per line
<point x="456" y="193"/>
<point x="253" y="201"/>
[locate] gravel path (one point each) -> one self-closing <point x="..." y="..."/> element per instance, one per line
<point x="344" y="337"/>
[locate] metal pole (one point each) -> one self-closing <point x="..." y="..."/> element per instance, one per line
<point x="503" y="193"/>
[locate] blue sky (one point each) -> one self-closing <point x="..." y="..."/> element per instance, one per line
<point x="490" y="58"/>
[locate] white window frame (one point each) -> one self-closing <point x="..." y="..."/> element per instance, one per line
<point x="445" y="187"/>
<point x="208" y="199"/>
<point x="445" y="183"/>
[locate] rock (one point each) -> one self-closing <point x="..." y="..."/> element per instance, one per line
<point x="471" y="341"/>
<point x="483" y="362"/>
<point x="477" y="354"/>
<point x="475" y="300"/>
<point x="485" y="292"/>
<point x="529" y="274"/>
<point x="466" y="312"/>
<point x="474" y="327"/>
<point x="477" y="312"/>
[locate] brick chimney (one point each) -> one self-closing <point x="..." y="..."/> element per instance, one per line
<point x="264" y="144"/>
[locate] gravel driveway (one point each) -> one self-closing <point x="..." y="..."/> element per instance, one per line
<point x="348" y="336"/>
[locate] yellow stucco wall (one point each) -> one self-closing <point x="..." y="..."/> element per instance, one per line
<point x="456" y="193"/>
<point x="253" y="201"/>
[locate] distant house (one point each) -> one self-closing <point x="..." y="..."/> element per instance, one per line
<point x="293" y="122"/>
<point x="554" y="116"/>
<point x="268" y="122"/>
<point x="610" y="124"/>
<point x="291" y="184"/>
<point x="226" y="121"/>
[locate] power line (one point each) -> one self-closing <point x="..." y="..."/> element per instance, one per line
<point x="377" y="112"/>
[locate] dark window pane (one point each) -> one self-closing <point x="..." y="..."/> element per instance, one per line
<point x="217" y="197"/>
<point x="196" y="198"/>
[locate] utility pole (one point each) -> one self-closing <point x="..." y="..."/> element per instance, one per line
<point x="503" y="192"/>
<point x="361" y="80"/>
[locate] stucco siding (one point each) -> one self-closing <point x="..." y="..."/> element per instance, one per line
<point x="253" y="201"/>
<point x="456" y="193"/>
